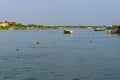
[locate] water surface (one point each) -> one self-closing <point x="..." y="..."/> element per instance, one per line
<point x="84" y="55"/>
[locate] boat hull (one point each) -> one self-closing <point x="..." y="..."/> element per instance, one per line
<point x="68" y="32"/>
<point x="99" y="29"/>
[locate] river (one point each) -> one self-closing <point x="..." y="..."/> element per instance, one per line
<point x="52" y="55"/>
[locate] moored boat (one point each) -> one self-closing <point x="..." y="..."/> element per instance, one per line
<point x="100" y="29"/>
<point x="111" y="32"/>
<point x="68" y="32"/>
<point x="116" y="31"/>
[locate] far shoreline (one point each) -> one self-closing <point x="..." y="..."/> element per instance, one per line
<point x="41" y="27"/>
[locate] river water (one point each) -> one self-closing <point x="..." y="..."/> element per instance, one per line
<point x="52" y="55"/>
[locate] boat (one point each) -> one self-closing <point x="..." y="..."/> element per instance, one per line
<point x="115" y="31"/>
<point x="111" y="32"/>
<point x="100" y="29"/>
<point x="68" y="32"/>
<point x="118" y="30"/>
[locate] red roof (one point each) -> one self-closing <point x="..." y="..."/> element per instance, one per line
<point x="11" y="22"/>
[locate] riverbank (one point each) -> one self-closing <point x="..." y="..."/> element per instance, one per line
<point x="42" y="27"/>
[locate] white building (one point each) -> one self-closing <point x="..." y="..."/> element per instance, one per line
<point x="4" y="24"/>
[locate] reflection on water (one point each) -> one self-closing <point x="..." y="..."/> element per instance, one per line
<point x="85" y="55"/>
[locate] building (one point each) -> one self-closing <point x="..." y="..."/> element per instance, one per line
<point x="3" y="24"/>
<point x="10" y="23"/>
<point x="7" y="23"/>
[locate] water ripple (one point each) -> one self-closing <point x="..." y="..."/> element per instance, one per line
<point x="81" y="78"/>
<point x="31" y="79"/>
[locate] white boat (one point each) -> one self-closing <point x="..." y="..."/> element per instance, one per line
<point x="100" y="29"/>
<point x="68" y="32"/>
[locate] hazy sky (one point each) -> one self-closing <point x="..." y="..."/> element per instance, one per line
<point x="61" y="12"/>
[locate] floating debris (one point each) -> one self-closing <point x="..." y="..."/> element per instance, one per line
<point x="37" y="42"/>
<point x="9" y="47"/>
<point x="17" y="49"/>
<point x="91" y="41"/>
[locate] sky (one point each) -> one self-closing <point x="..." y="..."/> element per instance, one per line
<point x="61" y="12"/>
